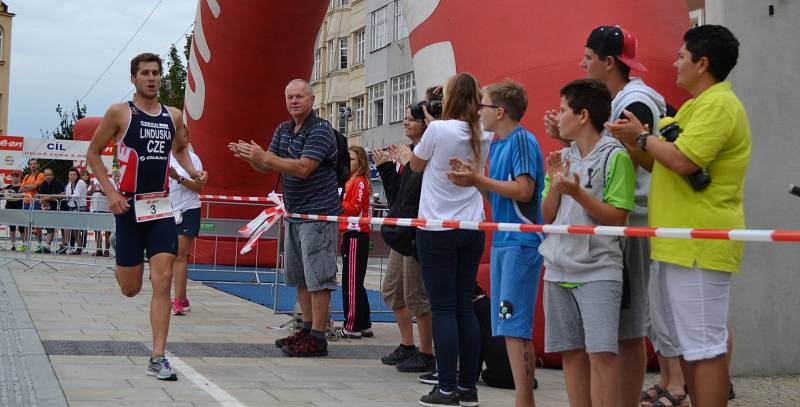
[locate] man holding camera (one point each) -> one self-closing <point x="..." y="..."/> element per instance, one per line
<point x="695" y="274"/>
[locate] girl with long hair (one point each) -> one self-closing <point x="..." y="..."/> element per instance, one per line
<point x="450" y="257"/>
<point x="355" y="248"/>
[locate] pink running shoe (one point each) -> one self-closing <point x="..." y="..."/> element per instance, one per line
<point x="177" y="307"/>
<point x="186" y="305"/>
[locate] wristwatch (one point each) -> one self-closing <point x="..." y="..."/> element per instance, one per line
<point x="641" y="140"/>
<point x="181" y="179"/>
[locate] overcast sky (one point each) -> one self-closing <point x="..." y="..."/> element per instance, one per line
<point x="60" y="47"/>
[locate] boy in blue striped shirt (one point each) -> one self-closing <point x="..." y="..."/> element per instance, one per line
<point x="513" y="188"/>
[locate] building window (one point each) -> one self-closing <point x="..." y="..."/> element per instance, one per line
<point x="359" y="118"/>
<point x="402" y="95"/>
<point x="379" y="37"/>
<point x="376" y="95"/>
<point x="360" y="45"/>
<point x="317" y="64"/>
<point x="400" y="28"/>
<point x="331" y="56"/>
<point x="343" y="53"/>
<point x="341" y="117"/>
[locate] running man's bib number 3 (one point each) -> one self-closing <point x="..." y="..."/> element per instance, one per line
<point x="152" y="206"/>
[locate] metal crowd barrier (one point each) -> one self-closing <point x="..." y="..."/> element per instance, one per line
<point x="39" y="222"/>
<point x="215" y="231"/>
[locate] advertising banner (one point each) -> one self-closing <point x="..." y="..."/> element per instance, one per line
<point x="12" y="157"/>
<point x="15" y="151"/>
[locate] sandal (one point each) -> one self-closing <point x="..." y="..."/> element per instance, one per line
<point x="672" y="399"/>
<point x="652" y="393"/>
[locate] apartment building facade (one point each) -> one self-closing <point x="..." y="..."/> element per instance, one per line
<point x="362" y="75"/>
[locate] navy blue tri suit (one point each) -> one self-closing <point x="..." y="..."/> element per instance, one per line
<point x="143" y="156"/>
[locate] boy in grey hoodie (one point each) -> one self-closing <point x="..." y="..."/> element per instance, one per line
<point x="591" y="182"/>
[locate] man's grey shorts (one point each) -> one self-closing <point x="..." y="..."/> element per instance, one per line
<point x="585" y="317"/>
<point x="310" y="255"/>
<point x="633" y="318"/>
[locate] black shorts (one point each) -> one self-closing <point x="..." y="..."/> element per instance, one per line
<point x="15" y="227"/>
<point x="190" y="223"/>
<point x="132" y="238"/>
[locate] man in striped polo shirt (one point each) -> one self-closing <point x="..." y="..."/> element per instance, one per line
<point x="304" y="151"/>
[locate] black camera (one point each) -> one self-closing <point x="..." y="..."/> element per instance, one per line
<point x="670" y="130"/>
<point x="434" y="108"/>
<point x="794" y="190"/>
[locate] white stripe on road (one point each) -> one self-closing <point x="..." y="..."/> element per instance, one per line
<point x="225" y="398"/>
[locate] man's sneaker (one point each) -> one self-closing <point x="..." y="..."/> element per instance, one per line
<point x="436" y="398"/>
<point x="468" y="398"/>
<point x="431" y="378"/>
<point x="13" y="248"/>
<point x="187" y="306"/>
<point x="308" y="347"/>
<point x="106" y="253"/>
<point x="419" y="363"/>
<point x="61" y="250"/>
<point x="291" y="339"/>
<point x="161" y="369"/>
<point x="367" y="333"/>
<point x="42" y="250"/>
<point x="23" y="248"/>
<point x="344" y="333"/>
<point x="177" y="307"/>
<point x="399" y="354"/>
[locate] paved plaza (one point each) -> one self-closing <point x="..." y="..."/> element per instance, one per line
<point x="68" y="339"/>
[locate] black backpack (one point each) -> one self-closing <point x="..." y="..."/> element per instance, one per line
<point x="342" y="166"/>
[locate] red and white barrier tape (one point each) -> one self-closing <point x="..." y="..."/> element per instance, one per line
<point x="718" y="234"/>
<point x="269" y="217"/>
<point x="256" y="227"/>
<point x="233" y="198"/>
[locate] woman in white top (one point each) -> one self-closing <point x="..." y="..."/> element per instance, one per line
<point x="98" y="203"/>
<point x="450" y="257"/>
<point x="75" y="191"/>
<point x="184" y="193"/>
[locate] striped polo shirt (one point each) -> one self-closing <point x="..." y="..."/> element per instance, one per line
<point x="317" y="194"/>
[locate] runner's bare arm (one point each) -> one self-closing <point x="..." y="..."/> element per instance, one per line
<point x="105" y="133"/>
<point x="180" y="147"/>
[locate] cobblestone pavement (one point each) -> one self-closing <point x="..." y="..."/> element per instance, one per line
<point x="71" y="339"/>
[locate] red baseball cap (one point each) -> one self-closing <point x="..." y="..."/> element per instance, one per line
<point x="616" y="42"/>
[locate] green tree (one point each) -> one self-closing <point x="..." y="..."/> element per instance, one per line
<point x="187" y="48"/>
<point x="66" y="121"/>
<point x="64" y="131"/>
<point x="173" y="83"/>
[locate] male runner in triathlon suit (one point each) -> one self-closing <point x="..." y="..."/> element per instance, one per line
<point x="145" y="132"/>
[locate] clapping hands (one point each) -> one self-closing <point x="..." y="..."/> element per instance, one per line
<point x="251" y="151"/>
<point x="380" y="157"/>
<point x="400" y="153"/>
<point x="560" y="179"/>
<point x="461" y="172"/>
